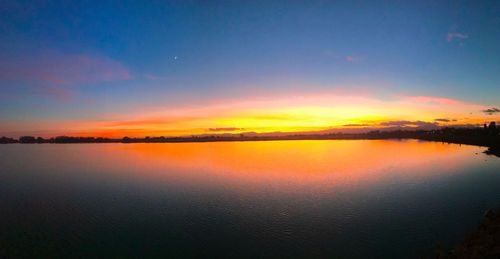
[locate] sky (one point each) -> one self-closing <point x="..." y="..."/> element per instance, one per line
<point x="175" y="68"/>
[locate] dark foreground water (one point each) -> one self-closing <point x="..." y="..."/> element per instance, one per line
<point x="340" y="199"/>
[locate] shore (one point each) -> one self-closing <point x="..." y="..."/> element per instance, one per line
<point x="483" y="242"/>
<point x="477" y="137"/>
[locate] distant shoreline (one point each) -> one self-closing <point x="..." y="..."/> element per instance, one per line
<point x="478" y="137"/>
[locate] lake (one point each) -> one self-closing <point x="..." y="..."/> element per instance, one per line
<point x="306" y="198"/>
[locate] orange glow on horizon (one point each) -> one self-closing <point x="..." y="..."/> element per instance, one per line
<point x="299" y="113"/>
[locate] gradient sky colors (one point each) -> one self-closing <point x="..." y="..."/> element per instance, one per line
<point x="211" y="67"/>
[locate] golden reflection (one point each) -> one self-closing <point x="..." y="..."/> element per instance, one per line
<point x="292" y="163"/>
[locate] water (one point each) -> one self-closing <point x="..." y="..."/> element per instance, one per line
<point x="341" y="199"/>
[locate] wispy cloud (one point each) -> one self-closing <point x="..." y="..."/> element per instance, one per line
<point x="445" y="120"/>
<point x="405" y="123"/>
<point x="62" y="69"/>
<point x="491" y="111"/>
<point x="451" y="36"/>
<point x="158" y="121"/>
<point x="55" y="74"/>
<point x="357" y="125"/>
<point x="225" y="129"/>
<point x="434" y="100"/>
<point x="402" y="123"/>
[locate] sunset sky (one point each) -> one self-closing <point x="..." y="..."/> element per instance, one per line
<point x="151" y="68"/>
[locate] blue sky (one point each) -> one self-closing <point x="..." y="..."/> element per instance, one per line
<point x="88" y="59"/>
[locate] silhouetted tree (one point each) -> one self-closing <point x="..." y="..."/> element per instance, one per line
<point x="5" y="140"/>
<point x="27" y="139"/>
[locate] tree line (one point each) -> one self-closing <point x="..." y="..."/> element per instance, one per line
<point x="447" y="132"/>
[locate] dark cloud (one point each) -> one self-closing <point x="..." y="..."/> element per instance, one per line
<point x="403" y="123"/>
<point x="225" y="129"/>
<point x="468" y="125"/>
<point x="442" y="120"/>
<point x="491" y="111"/>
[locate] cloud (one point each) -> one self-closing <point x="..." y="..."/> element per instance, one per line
<point x="465" y="125"/>
<point x="445" y="120"/>
<point x="434" y="100"/>
<point x="63" y="69"/>
<point x="451" y="36"/>
<point x="225" y="129"/>
<point x="357" y="125"/>
<point x="146" y="122"/>
<point x="55" y="74"/>
<point x="277" y="117"/>
<point x="404" y="123"/>
<point x="491" y="111"/>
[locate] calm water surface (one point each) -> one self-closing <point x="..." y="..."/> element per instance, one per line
<point x="340" y="199"/>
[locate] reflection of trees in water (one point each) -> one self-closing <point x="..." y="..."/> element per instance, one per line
<point x="487" y="136"/>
